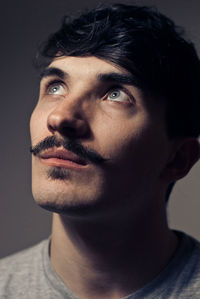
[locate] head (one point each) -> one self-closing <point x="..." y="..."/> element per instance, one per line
<point x="145" y="128"/>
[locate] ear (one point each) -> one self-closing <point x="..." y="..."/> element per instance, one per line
<point x="185" y="154"/>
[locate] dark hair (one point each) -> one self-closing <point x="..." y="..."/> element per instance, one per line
<point x="145" y="43"/>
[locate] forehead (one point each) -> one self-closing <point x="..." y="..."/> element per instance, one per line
<point x="85" y="66"/>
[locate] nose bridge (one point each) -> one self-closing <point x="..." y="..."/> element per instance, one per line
<point x="75" y="100"/>
<point x="69" y="113"/>
<point x="68" y="107"/>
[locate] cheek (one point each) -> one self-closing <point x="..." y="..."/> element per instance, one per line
<point x="38" y="126"/>
<point x="137" y="146"/>
<point x="116" y="136"/>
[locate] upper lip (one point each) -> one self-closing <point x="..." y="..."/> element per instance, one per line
<point x="62" y="154"/>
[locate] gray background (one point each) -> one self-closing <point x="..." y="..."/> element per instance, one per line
<point x="24" y="24"/>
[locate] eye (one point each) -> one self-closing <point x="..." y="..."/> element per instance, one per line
<point x="55" y="88"/>
<point x="118" y="95"/>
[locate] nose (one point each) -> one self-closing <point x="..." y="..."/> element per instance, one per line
<point x="68" y="120"/>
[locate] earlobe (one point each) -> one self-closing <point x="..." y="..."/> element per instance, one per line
<point x="186" y="154"/>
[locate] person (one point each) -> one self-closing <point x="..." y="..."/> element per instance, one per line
<point x="116" y="125"/>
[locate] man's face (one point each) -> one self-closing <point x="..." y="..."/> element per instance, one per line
<point x="94" y="104"/>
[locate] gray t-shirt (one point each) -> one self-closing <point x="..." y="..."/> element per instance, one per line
<point x="30" y="275"/>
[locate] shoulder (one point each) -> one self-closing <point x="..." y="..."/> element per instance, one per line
<point x="18" y="270"/>
<point x="189" y="277"/>
<point x="24" y="257"/>
<point x="192" y="254"/>
<point x="181" y="277"/>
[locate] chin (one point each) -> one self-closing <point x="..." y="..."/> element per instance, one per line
<point x="55" y="198"/>
<point x="64" y="192"/>
<point x="75" y="210"/>
<point x="72" y="210"/>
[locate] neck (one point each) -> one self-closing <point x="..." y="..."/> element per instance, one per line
<point x="110" y="258"/>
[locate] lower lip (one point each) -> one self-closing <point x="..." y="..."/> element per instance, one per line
<point x="62" y="163"/>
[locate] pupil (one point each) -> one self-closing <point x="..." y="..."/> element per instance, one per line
<point x="54" y="89"/>
<point x="114" y="94"/>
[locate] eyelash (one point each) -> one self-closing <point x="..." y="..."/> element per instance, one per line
<point x="51" y="83"/>
<point x="121" y="88"/>
<point x="112" y="88"/>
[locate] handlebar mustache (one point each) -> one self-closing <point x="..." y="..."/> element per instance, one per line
<point x="71" y="145"/>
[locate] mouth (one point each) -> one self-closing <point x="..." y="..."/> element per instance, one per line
<point x="59" y="157"/>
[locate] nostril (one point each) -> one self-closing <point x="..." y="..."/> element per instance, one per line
<point x="69" y="131"/>
<point x="67" y="123"/>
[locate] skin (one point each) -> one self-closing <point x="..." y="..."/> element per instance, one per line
<point x="110" y="235"/>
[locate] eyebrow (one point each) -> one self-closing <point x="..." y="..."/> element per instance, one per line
<point x="53" y="71"/>
<point x="119" y="78"/>
<point x="114" y="77"/>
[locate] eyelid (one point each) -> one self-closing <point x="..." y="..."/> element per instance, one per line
<point x="122" y="88"/>
<point x="51" y="82"/>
